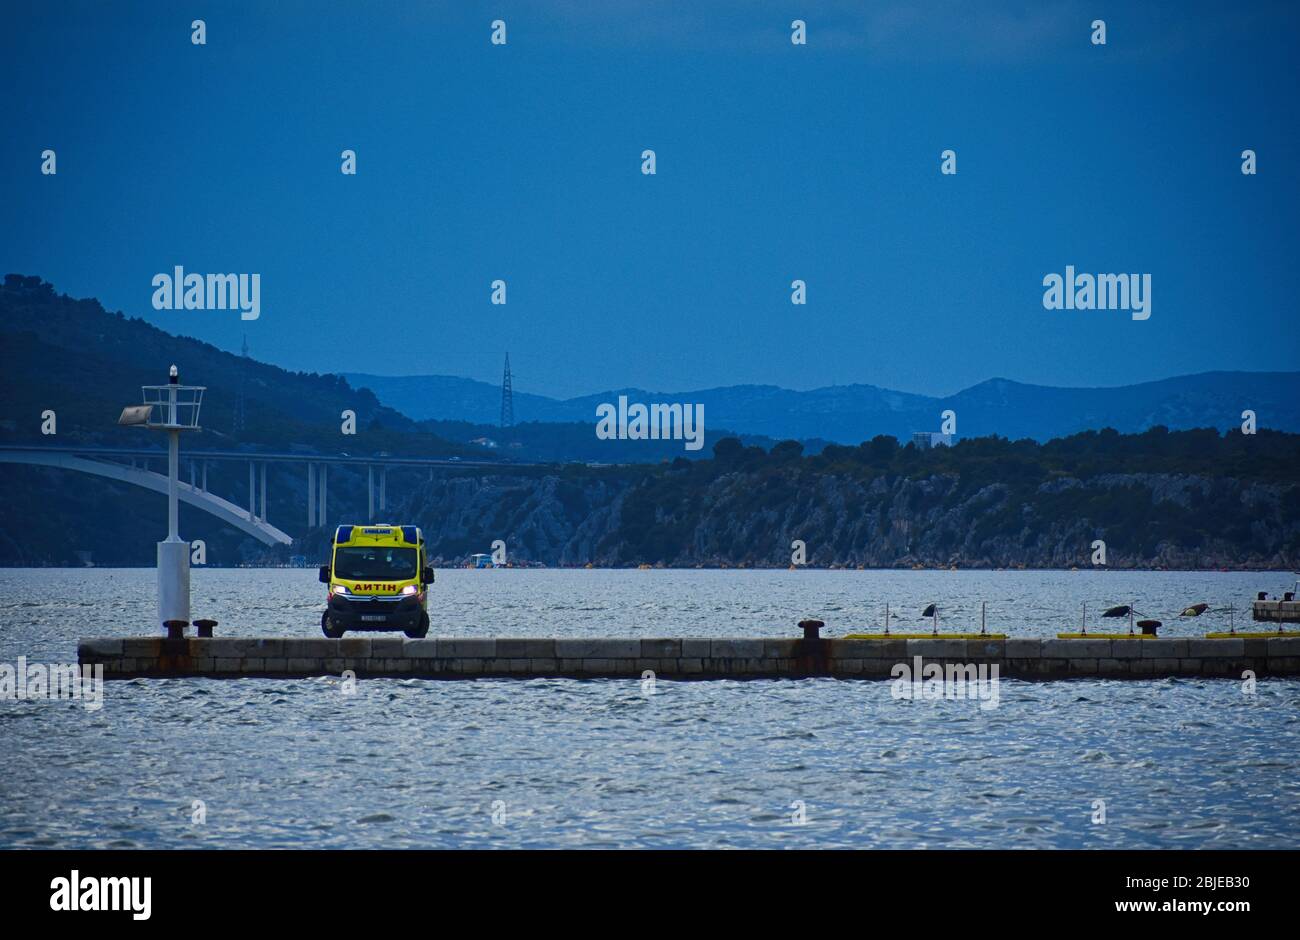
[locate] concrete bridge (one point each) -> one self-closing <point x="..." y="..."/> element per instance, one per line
<point x="131" y="465"/>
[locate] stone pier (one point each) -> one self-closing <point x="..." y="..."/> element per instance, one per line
<point x="681" y="658"/>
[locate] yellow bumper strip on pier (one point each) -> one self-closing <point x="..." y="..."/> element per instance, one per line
<point x="1242" y="635"/>
<point x="925" y="636"/>
<point x="1107" y="636"/>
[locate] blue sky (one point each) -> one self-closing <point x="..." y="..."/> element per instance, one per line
<point x="775" y="162"/>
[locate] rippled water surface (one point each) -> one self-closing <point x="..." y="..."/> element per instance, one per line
<point x="1178" y="763"/>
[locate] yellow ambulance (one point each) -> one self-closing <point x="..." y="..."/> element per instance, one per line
<point x="378" y="579"/>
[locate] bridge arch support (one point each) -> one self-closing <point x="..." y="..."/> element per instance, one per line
<point x="223" y="509"/>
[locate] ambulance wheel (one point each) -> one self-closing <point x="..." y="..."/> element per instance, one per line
<point x="420" y="632"/>
<point x="328" y="630"/>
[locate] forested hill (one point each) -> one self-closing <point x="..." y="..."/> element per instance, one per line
<point x="73" y="357"/>
<point x="1192" y="499"/>
<point x="1188" y="499"/>
<point x="84" y="363"/>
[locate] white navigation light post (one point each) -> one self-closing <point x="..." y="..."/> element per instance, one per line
<point x="172" y="408"/>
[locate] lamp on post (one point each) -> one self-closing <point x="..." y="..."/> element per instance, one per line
<point x="172" y="408"/>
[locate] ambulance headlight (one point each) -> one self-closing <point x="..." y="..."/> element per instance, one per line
<point x="410" y="589"/>
<point x="339" y="589"/>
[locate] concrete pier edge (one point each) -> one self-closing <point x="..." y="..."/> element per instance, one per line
<point x="680" y="658"/>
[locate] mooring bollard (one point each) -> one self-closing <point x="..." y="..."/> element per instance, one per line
<point x="811" y="629"/>
<point x="205" y="628"/>
<point x="811" y="653"/>
<point x="176" y="629"/>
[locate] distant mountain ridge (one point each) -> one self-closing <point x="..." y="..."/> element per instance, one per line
<point x="1181" y="500"/>
<point x="850" y="414"/>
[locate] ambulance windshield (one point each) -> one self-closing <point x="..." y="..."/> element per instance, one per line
<point x="374" y="563"/>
